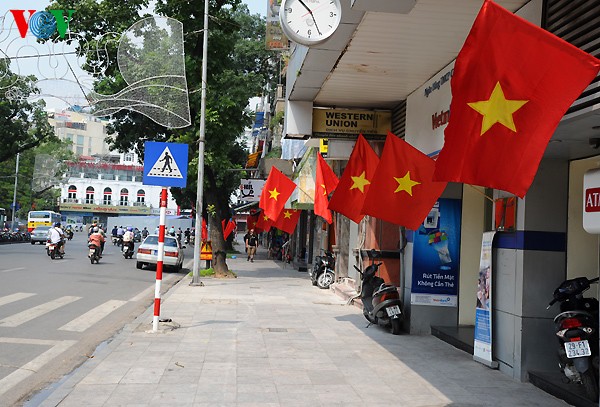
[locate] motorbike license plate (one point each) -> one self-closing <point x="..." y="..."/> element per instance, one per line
<point x="577" y="349"/>
<point x="393" y="310"/>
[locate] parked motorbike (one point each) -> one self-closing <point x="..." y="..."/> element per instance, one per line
<point x="93" y="253"/>
<point x="322" y="273"/>
<point x="577" y="331"/>
<point x="53" y="250"/>
<point x="381" y="301"/>
<point x="127" y="251"/>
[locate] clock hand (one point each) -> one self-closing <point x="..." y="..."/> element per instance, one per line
<point x="313" y="10"/>
<point x="306" y="7"/>
<point x="311" y="14"/>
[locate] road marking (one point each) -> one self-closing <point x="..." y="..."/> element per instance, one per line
<point x="150" y="290"/>
<point x="7" y="299"/>
<point x="57" y="347"/>
<point x="91" y="317"/>
<point x="15" y="269"/>
<point x="28" y="315"/>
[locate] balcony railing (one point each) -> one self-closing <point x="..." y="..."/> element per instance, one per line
<point x="103" y="202"/>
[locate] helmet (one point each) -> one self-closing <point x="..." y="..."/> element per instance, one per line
<point x="95" y="229"/>
<point x="57" y="224"/>
<point x="129" y="228"/>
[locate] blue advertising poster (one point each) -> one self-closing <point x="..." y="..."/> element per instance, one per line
<point x="436" y="256"/>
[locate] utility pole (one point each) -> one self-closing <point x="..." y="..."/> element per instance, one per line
<point x="14" y="207"/>
<point x="199" y="188"/>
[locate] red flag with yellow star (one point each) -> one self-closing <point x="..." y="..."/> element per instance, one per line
<point x="512" y="84"/>
<point x="251" y="222"/>
<point x="275" y="193"/>
<point x="325" y="183"/>
<point x="264" y="222"/>
<point x="288" y="220"/>
<point x="402" y="191"/>
<point x="350" y="193"/>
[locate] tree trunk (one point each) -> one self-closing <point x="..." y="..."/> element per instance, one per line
<point x="219" y="262"/>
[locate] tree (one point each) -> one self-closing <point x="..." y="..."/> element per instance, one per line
<point x="23" y="125"/>
<point x="239" y="67"/>
<point x="28" y="197"/>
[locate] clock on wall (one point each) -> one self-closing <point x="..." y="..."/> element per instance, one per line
<point x="310" y="22"/>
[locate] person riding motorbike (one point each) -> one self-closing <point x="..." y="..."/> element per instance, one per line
<point x="128" y="237"/>
<point x="97" y="239"/>
<point x="57" y="237"/>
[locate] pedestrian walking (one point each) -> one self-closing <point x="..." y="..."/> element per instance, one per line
<point x="251" y="241"/>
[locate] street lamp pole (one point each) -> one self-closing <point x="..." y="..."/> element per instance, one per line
<point x="14" y="207"/>
<point x="201" y="139"/>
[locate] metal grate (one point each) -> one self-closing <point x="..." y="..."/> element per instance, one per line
<point x="577" y="22"/>
<point x="399" y="119"/>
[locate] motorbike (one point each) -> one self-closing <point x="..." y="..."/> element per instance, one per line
<point x="127" y="250"/>
<point x="115" y="240"/>
<point x="53" y="250"/>
<point x="69" y="234"/>
<point x="576" y="328"/>
<point x="93" y="253"/>
<point x="322" y="273"/>
<point x="381" y="302"/>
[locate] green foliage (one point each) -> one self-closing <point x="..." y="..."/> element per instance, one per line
<point x="23" y="125"/>
<point x="26" y="197"/>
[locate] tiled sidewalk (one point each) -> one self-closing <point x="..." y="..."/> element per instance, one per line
<point x="269" y="338"/>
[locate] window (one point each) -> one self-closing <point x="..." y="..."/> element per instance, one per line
<point x="89" y="195"/>
<point x="124" y="197"/>
<point x="128" y="157"/>
<point x="69" y="137"/>
<point x="72" y="193"/>
<point x="79" y="150"/>
<point x="141" y="195"/>
<point x="80" y="140"/>
<point x="107" y="196"/>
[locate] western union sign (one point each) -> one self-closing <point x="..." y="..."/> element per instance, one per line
<point x="329" y="122"/>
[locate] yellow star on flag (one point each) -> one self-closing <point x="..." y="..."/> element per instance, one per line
<point x="360" y="182"/>
<point x="274" y="193"/>
<point x="324" y="190"/>
<point x="287" y="215"/>
<point x="265" y="218"/>
<point x="497" y="109"/>
<point x="405" y="184"/>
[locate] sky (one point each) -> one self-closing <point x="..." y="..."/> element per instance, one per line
<point x="11" y="44"/>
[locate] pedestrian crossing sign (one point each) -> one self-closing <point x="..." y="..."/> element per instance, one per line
<point x="165" y="164"/>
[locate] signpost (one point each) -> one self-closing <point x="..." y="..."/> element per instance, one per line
<point x="165" y="164"/>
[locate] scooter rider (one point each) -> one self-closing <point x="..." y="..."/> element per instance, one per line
<point x="57" y="237"/>
<point x="128" y="238"/>
<point x="97" y="239"/>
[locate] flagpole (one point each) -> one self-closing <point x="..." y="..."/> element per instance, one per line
<point x="199" y="187"/>
<point x="481" y="192"/>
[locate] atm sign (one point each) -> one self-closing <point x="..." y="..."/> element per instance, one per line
<point x="592" y="200"/>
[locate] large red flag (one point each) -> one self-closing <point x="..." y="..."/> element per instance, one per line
<point x="275" y="193"/>
<point x="326" y="181"/>
<point x="251" y="221"/>
<point x="288" y="220"/>
<point x="349" y="196"/>
<point x="402" y="191"/>
<point x="512" y="84"/>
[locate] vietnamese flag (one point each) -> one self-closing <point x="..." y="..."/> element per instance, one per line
<point x="264" y="222"/>
<point x="275" y="193"/>
<point x="326" y="181"/>
<point x="251" y="221"/>
<point x="350" y="194"/>
<point x="511" y="86"/>
<point x="402" y="191"/>
<point x="288" y="220"/>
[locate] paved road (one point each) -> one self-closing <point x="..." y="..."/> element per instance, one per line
<point x="54" y="313"/>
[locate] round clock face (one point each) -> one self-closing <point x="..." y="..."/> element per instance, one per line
<point x="310" y="22"/>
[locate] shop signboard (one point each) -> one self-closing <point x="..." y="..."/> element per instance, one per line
<point x="591" y="201"/>
<point x="345" y="123"/>
<point x="250" y="190"/>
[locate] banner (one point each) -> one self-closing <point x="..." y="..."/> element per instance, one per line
<point x="250" y="190"/>
<point x="482" y="344"/>
<point x="436" y="256"/>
